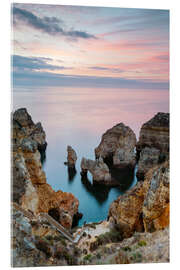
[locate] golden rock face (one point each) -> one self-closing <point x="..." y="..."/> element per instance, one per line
<point x="126" y="211"/>
<point x="29" y="186"/>
<point x="146" y="206"/>
<point x="156" y="204"/>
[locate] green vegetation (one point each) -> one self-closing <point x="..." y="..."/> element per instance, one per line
<point x="87" y="257"/>
<point x="98" y="255"/>
<point x="136" y="257"/>
<point x="126" y="248"/>
<point x="142" y="243"/>
<point x="108" y="237"/>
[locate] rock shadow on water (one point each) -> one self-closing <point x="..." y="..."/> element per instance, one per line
<point x="43" y="158"/>
<point x="99" y="192"/>
<point x="71" y="173"/>
<point x="125" y="177"/>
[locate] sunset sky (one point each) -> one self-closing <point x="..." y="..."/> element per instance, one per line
<point x="90" y="46"/>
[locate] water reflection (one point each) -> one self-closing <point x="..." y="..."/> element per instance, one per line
<point x="43" y="158"/>
<point x="125" y="177"/>
<point x="71" y="173"/>
<point x="98" y="191"/>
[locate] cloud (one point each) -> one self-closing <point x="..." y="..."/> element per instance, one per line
<point x="142" y="17"/>
<point x="36" y="78"/>
<point x="49" y="25"/>
<point x="115" y="70"/>
<point x="22" y="63"/>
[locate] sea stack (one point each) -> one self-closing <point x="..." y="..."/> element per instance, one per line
<point x="153" y="145"/>
<point x="71" y="157"/>
<point x="117" y="147"/>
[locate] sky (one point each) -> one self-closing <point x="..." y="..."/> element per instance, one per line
<point x="90" y="47"/>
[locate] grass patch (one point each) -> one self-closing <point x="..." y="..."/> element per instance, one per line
<point x="142" y="243"/>
<point x="87" y="257"/>
<point x="136" y="257"/>
<point x="126" y="248"/>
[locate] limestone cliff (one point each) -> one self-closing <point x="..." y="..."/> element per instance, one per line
<point x="29" y="186"/>
<point x="23" y="126"/>
<point x="153" y="145"/>
<point x="146" y="206"/>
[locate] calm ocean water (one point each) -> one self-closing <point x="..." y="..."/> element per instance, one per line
<point x="78" y="117"/>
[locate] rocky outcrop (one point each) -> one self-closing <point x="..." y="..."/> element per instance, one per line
<point x="140" y="248"/>
<point x="153" y="145"/>
<point x="99" y="170"/>
<point x="29" y="187"/>
<point x="146" y="206"/>
<point x="156" y="203"/>
<point x="71" y="157"/>
<point x="35" y="242"/>
<point x="117" y="147"/>
<point x="149" y="157"/>
<point x="24" y="127"/>
<point x="125" y="212"/>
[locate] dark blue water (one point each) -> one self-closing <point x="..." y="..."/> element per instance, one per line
<point x="78" y="118"/>
<point x="94" y="200"/>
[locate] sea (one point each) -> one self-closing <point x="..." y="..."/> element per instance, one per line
<point x="78" y="117"/>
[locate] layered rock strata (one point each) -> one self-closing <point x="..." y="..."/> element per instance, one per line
<point x="24" y="127"/>
<point x="29" y="187"/>
<point x="146" y="206"/>
<point x="117" y="147"/>
<point x="153" y="145"/>
<point x="99" y="170"/>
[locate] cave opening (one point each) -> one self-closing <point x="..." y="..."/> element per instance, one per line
<point x="54" y="213"/>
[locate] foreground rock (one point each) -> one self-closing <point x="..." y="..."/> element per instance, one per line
<point x="140" y="248"/>
<point x="71" y="157"/>
<point x="125" y="213"/>
<point x="117" y="147"/>
<point x="29" y="187"/>
<point x="146" y="206"/>
<point x="36" y="243"/>
<point x="153" y="144"/>
<point x="99" y="170"/>
<point x="156" y="204"/>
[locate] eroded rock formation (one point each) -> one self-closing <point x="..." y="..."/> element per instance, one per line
<point x="153" y="145"/>
<point x="24" y="127"/>
<point x="71" y="157"/>
<point x="29" y="186"/>
<point x="99" y="170"/>
<point x="146" y="206"/>
<point x="117" y="147"/>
